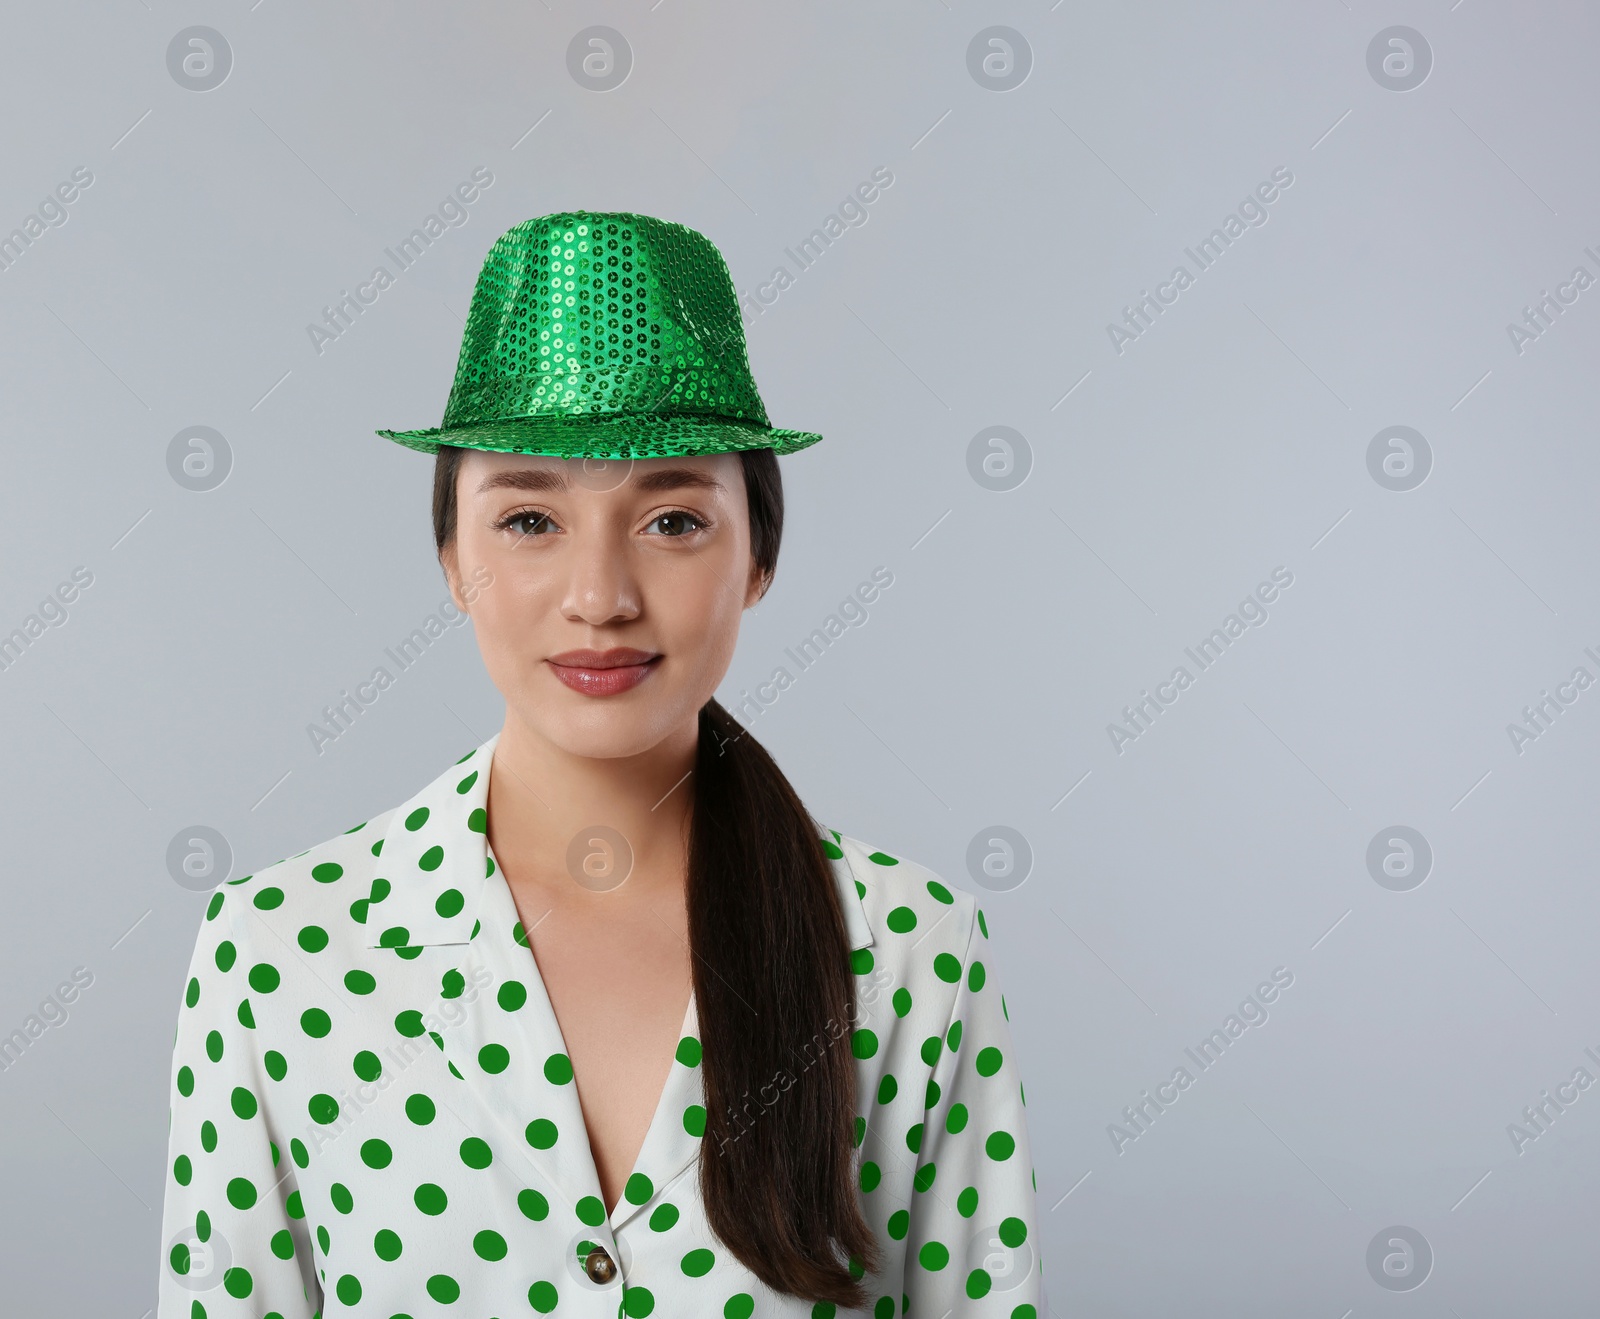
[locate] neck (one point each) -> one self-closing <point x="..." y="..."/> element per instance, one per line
<point x="547" y="809"/>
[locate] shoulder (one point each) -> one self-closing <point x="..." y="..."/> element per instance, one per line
<point x="918" y="919"/>
<point x="312" y="896"/>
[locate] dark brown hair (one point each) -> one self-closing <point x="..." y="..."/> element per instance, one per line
<point x="773" y="988"/>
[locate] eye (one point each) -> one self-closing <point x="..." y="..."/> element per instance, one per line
<point x="524" y="522"/>
<point x="674" y="519"/>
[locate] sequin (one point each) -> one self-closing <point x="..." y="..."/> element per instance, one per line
<point x="604" y="335"/>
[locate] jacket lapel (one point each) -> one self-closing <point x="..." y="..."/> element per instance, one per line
<point x="439" y="886"/>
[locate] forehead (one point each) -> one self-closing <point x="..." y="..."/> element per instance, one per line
<point x="484" y="474"/>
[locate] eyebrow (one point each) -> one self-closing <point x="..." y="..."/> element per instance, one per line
<point x="551" y="479"/>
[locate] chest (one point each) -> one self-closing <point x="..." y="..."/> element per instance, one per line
<point x="618" y="982"/>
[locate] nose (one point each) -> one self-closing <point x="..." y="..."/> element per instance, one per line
<point x="601" y="586"/>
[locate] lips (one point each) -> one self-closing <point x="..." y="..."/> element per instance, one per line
<point x="603" y="672"/>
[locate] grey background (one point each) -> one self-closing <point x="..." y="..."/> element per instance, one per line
<point x="1163" y="484"/>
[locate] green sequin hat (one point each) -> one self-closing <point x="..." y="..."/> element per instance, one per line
<point x="603" y="334"/>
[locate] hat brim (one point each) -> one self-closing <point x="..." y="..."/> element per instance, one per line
<point x="613" y="437"/>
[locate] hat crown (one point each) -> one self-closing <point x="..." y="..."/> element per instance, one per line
<point x="594" y="314"/>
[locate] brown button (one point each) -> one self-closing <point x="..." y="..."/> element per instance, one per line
<point x="600" y="1266"/>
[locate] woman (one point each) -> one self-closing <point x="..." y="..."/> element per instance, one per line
<point x="599" y="1022"/>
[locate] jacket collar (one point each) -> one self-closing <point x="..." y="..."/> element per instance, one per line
<point x="437" y="886"/>
<point x="434" y="863"/>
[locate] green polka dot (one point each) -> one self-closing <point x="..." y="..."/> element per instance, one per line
<point x="888" y="1088"/>
<point x="465" y="786"/>
<point x="697" y="1263"/>
<point x="741" y="1305"/>
<point x="694" y="1120"/>
<point x="313" y="938"/>
<point x="396" y="936"/>
<point x="542" y="1296"/>
<point x="591" y="1212"/>
<point x="409" y="1023"/>
<point x="914" y="1138"/>
<point x="637" y="1301"/>
<point x="982" y="924"/>
<point x="241" y="1193"/>
<point x="638" y="1190"/>
<point x="386" y="1245"/>
<point x="323" y="1108"/>
<point x="282" y="1244"/>
<point x="417" y="819"/>
<point x="191" y="995"/>
<point x="276" y="1064"/>
<point x="512" y="995"/>
<point x="956" y="1119"/>
<point x="367" y="1065"/>
<point x="967" y="1202"/>
<point x="420" y="1109"/>
<point x="226" y="955"/>
<point x="899" y="1224"/>
<point x="902" y="920"/>
<point x="947" y="968"/>
<point x="933" y="1256"/>
<point x="299" y="1152"/>
<point x="237" y="1282"/>
<point x="932" y="1099"/>
<point x="453" y="985"/>
<point x="1013" y="1232"/>
<point x="315" y="1022"/>
<point x="940" y="892"/>
<point x="863" y="1043"/>
<point x="359" y="982"/>
<point x="976" y="976"/>
<point x="978" y="1284"/>
<point x="247" y="1018"/>
<point x="450" y="902"/>
<point x="243" y="1103"/>
<point x="343" y="1201"/>
<point x="494" y="1058"/>
<point x="327" y="872"/>
<point x="431" y="859"/>
<point x="533" y="1205"/>
<point x="924" y="1177"/>
<point x="901" y="1001"/>
<point x="269" y="899"/>
<point x="182" y="1170"/>
<point x="988" y="1062"/>
<point x="323" y="1239"/>
<point x="431" y="1199"/>
<point x="185" y="1082"/>
<point x="215" y="905"/>
<point x="541" y="1133"/>
<point x="208" y="1136"/>
<point x="359" y="910"/>
<point x="380" y="890"/>
<point x="558" y="1069"/>
<point x="882" y="858"/>
<point x="689" y="1051"/>
<point x="664" y="1218"/>
<point x="376" y="1153"/>
<point x="478" y="821"/>
<point x="489" y="1245"/>
<point x="861" y="960"/>
<point x="930" y="1049"/>
<point x="475" y="1152"/>
<point x="214" y="1046"/>
<point x="519" y="935"/>
<point x="1000" y="1146"/>
<point x="871" y="1175"/>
